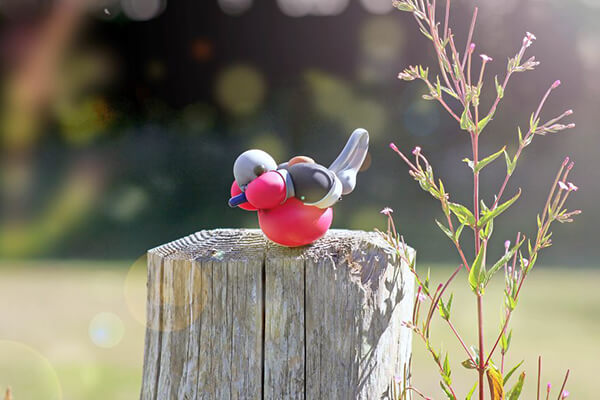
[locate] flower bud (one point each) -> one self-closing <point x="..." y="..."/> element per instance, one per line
<point x="555" y="84"/>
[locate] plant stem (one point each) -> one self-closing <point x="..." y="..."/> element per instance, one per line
<point x="481" y="367"/>
<point x="539" y="377"/>
<point x="564" y="384"/>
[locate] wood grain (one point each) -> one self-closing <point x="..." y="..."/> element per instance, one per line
<point x="234" y="316"/>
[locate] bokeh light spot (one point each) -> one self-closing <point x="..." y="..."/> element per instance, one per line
<point x="143" y="10"/>
<point x="295" y="8"/>
<point x="106" y="330"/>
<point x="27" y="372"/>
<point x="272" y="144"/>
<point x="240" y="89"/>
<point x="378" y="6"/>
<point x="421" y="118"/>
<point x="235" y="7"/>
<point x="128" y="203"/>
<point x="202" y="49"/>
<point x="381" y="38"/>
<point x="329" y="7"/>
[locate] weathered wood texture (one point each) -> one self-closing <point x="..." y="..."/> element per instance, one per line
<point x="234" y="316"/>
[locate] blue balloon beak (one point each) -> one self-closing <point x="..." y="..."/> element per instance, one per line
<point x="237" y="200"/>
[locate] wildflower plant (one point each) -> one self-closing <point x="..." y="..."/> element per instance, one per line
<point x="458" y="89"/>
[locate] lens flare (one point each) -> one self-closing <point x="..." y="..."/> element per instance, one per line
<point x="28" y="373"/>
<point x="135" y="289"/>
<point x="106" y="330"/>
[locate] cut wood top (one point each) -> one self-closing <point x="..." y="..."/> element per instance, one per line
<point x="359" y="248"/>
<point x="234" y="243"/>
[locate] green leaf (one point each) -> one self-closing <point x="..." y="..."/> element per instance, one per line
<point x="499" y="88"/>
<point x="404" y="7"/>
<point x="426" y="34"/>
<point x="450" y="91"/>
<point x="464" y="215"/>
<point x="488" y="160"/>
<point x="482" y="124"/>
<point x="491" y="214"/>
<point x="447" y="391"/>
<point x="477" y="271"/>
<point x="458" y="232"/>
<point x="515" y="392"/>
<point x="505" y="258"/>
<point x="445" y="308"/>
<point x="445" y="230"/>
<point x="510" y="164"/>
<point x="465" y="122"/>
<point x="512" y="371"/>
<point x="468" y="364"/>
<point x="471" y="392"/>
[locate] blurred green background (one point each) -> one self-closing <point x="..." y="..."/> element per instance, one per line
<point x="120" y="121"/>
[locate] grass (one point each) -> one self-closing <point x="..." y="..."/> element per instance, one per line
<point x="48" y="352"/>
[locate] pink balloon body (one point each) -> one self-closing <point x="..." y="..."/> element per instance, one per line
<point x="294" y="224"/>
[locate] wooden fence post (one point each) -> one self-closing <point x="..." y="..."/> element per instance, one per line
<point x="234" y="316"/>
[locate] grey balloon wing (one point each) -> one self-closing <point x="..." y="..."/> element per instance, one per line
<point x="349" y="161"/>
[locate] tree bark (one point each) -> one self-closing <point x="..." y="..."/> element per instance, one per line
<point x="232" y="315"/>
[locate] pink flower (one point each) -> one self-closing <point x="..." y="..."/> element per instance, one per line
<point x="421" y="297"/>
<point x="416" y="150"/>
<point x="528" y="39"/>
<point x="568" y="112"/>
<point x="573" y="187"/>
<point x="393" y="147"/>
<point x="387" y="211"/>
<point x="397" y="379"/>
<point x="507" y="245"/>
<point x="565" y="161"/>
<point x="555" y="84"/>
<point x="563" y="185"/>
<point x="486" y="58"/>
<point x="565" y="394"/>
<point x="548" y="387"/>
<point x="472" y="47"/>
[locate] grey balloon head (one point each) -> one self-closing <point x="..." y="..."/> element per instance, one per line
<point x="250" y="165"/>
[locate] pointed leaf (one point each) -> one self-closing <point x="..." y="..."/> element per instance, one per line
<point x="515" y="392"/>
<point x="488" y="160"/>
<point x="445" y="230"/>
<point x="499" y="89"/>
<point x="491" y="214"/>
<point x="500" y="263"/>
<point x="464" y="215"/>
<point x="512" y="371"/>
<point x="482" y="124"/>
<point x="465" y="122"/>
<point x="471" y="392"/>
<point x="510" y="163"/>
<point x="476" y="271"/>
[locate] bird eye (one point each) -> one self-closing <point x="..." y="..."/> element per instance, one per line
<point x="259" y="170"/>
<point x="250" y="165"/>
